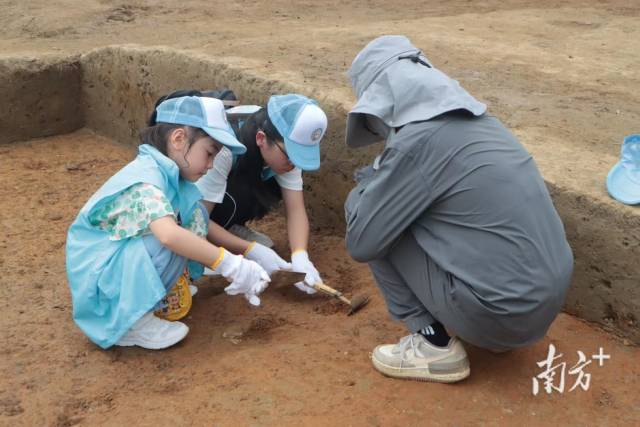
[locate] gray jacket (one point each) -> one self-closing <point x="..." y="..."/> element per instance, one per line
<point x="474" y="200"/>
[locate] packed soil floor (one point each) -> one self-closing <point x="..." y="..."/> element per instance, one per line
<point x="560" y="70"/>
<point x="295" y="360"/>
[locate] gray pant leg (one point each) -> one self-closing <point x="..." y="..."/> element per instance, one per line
<point x="422" y="277"/>
<point x="418" y="291"/>
<point x="402" y="303"/>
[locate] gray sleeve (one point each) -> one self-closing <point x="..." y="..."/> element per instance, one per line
<point x="384" y="204"/>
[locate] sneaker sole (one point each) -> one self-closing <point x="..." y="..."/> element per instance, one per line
<point x="150" y="345"/>
<point x="419" y="374"/>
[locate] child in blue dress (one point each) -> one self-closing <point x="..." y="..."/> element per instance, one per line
<point x="144" y="232"/>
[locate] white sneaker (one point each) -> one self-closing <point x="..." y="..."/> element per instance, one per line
<point x="193" y="289"/>
<point x="154" y="333"/>
<point x="416" y="358"/>
<point x="247" y="233"/>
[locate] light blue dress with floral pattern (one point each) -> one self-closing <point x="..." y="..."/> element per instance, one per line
<point x="117" y="270"/>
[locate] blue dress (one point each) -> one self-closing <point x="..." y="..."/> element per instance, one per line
<point x="115" y="282"/>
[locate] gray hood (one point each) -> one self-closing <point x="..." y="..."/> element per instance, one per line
<point x="395" y="82"/>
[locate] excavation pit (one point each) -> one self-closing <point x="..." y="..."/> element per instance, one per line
<point x="110" y="91"/>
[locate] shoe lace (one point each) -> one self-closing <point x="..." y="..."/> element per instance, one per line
<point x="404" y="344"/>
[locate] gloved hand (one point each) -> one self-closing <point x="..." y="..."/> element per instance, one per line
<point x="266" y="257"/>
<point x="300" y="262"/>
<point x="246" y="276"/>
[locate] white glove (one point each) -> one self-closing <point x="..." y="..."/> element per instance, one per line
<point x="266" y="257"/>
<point x="246" y="277"/>
<point x="300" y="262"/>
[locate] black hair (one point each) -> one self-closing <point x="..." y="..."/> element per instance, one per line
<point x="176" y="94"/>
<point x="245" y="179"/>
<point x="158" y="135"/>
<point x="251" y="163"/>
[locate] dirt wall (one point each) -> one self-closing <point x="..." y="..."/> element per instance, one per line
<point x="40" y="97"/>
<point x="606" y="249"/>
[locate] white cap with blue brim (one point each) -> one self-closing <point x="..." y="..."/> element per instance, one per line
<point x="302" y="125"/>
<point x="205" y="113"/>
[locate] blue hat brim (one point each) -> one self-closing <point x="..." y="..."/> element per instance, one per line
<point x="226" y="139"/>
<point x="621" y="187"/>
<point x="305" y="157"/>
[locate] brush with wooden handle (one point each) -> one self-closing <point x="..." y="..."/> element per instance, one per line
<point x="355" y="303"/>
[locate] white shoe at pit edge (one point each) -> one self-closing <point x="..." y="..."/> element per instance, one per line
<point x="416" y="358"/>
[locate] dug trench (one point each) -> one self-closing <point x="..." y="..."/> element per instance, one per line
<point x="240" y="363"/>
<point x="111" y="90"/>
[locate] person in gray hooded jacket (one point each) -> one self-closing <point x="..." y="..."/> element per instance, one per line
<point x="453" y="218"/>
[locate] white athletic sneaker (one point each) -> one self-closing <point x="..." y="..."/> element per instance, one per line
<point x="154" y="333"/>
<point x="247" y="233"/>
<point x="416" y="358"/>
<point x="193" y="289"/>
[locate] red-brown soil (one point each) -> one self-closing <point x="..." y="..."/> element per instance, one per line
<point x="561" y="72"/>
<point x="296" y="360"/>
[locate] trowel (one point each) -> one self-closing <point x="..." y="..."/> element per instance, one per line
<point x="355" y="303"/>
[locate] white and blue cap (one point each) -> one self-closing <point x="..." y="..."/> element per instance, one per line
<point x="623" y="181"/>
<point x="302" y="125"/>
<point x="201" y="112"/>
